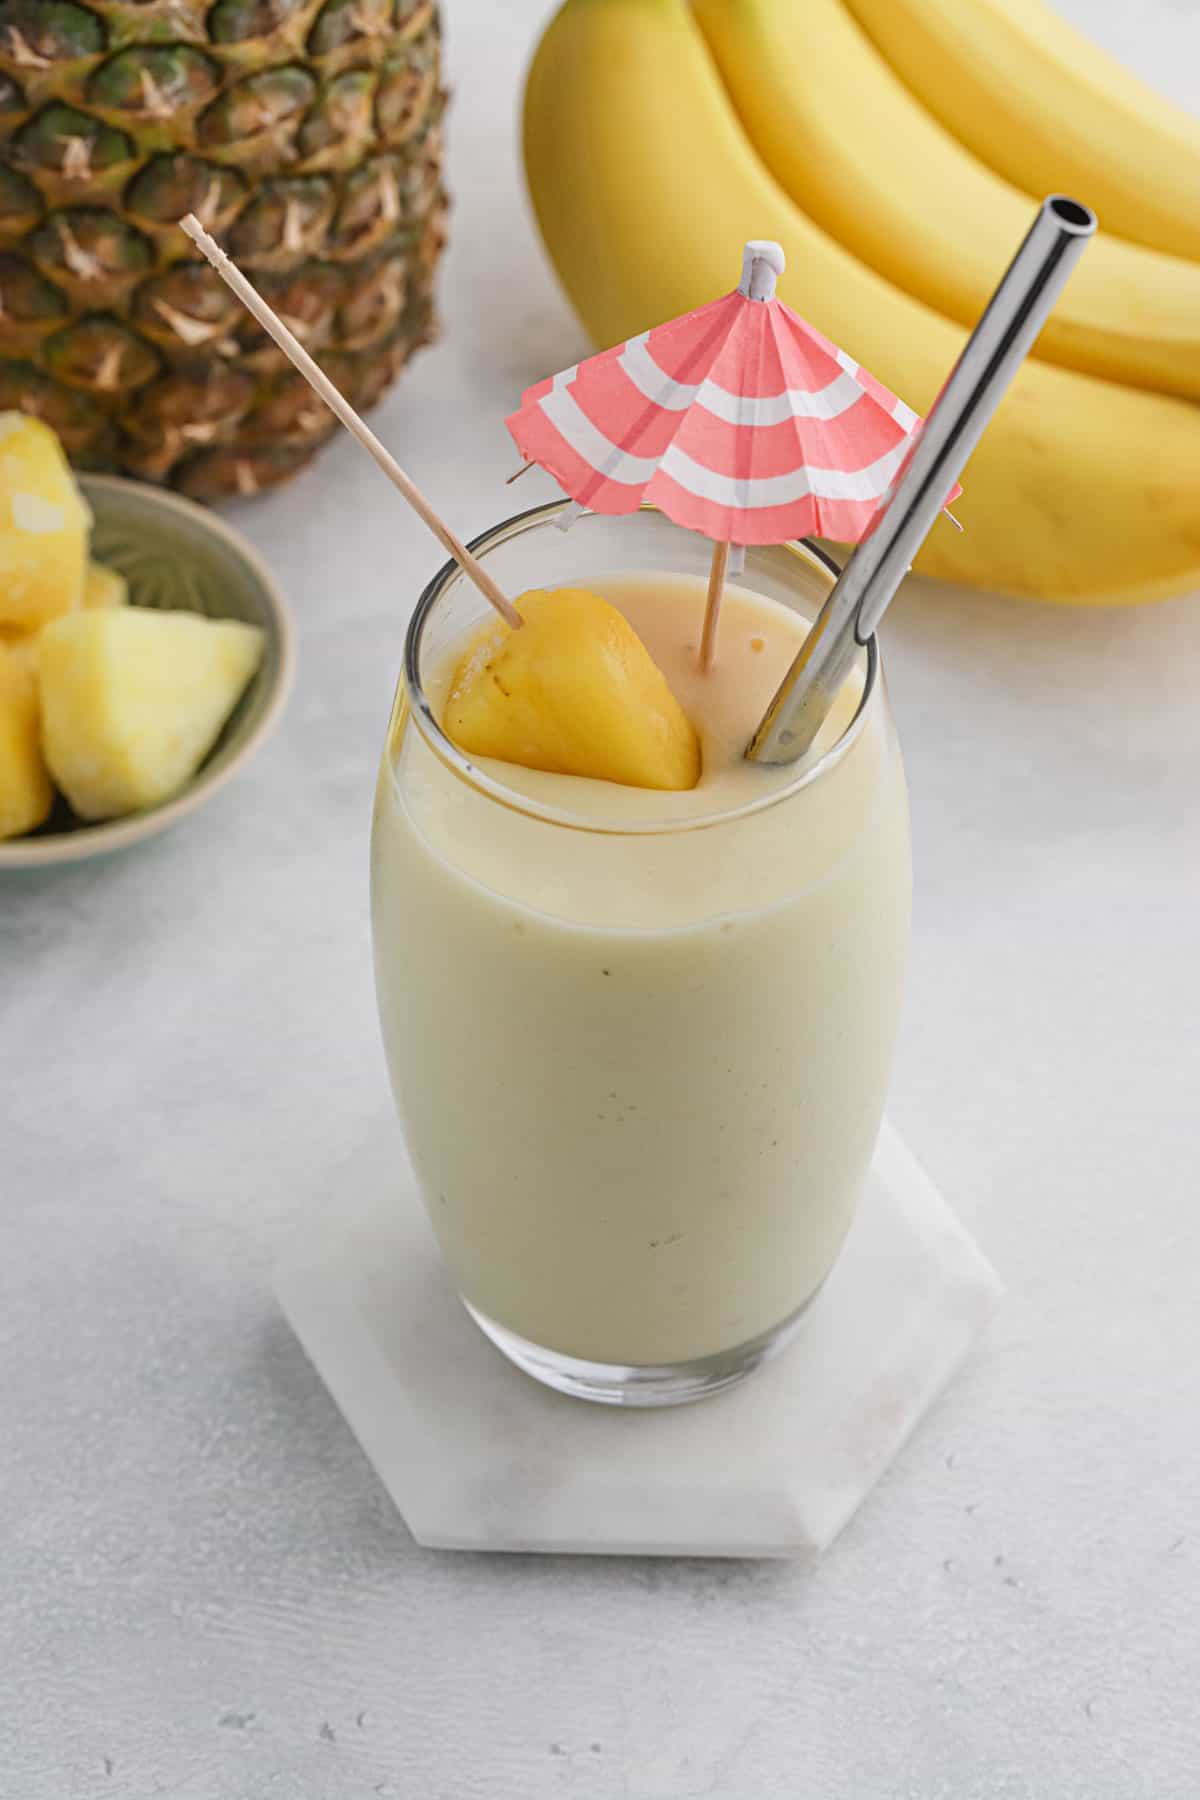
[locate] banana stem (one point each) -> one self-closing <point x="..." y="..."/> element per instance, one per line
<point x="712" y="606"/>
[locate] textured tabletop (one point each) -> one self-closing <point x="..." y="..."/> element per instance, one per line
<point x="204" y="1591"/>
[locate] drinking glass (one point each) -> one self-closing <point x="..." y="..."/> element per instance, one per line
<point x="640" y="1062"/>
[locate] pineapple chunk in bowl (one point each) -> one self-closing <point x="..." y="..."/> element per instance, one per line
<point x="178" y="557"/>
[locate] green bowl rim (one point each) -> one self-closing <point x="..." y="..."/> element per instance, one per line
<point x="117" y="834"/>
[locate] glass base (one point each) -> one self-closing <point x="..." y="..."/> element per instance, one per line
<point x="648" y="1384"/>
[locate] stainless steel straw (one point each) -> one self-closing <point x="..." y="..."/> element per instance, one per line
<point x="990" y="358"/>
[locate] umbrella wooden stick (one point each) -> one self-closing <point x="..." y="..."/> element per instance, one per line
<point x="712" y="606"/>
<point x="342" y="410"/>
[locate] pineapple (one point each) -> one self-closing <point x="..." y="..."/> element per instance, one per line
<point x="104" y="587"/>
<point x="305" y="134"/>
<point x="26" y="795"/>
<point x="574" y="691"/>
<point x="133" y="700"/>
<point x="44" y="525"/>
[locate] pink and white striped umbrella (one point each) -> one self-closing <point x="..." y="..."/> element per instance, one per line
<point x="738" y="420"/>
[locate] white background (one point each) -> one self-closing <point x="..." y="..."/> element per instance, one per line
<point x="203" y="1590"/>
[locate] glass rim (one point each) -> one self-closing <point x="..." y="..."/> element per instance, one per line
<point x="460" y="764"/>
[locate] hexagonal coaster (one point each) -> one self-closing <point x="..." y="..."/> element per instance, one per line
<point x="479" y="1457"/>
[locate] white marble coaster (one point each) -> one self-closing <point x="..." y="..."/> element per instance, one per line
<point x="479" y="1457"/>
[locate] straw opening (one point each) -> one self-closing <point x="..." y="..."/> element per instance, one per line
<point x="1072" y="215"/>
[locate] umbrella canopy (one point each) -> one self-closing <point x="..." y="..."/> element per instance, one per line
<point x="738" y="420"/>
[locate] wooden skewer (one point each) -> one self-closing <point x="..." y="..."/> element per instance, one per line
<point x="712" y="605"/>
<point x="342" y="410"/>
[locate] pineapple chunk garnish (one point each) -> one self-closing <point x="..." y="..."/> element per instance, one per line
<point x="134" y="699"/>
<point x="26" y="794"/>
<point x="574" y="691"/>
<point x="44" y="524"/>
<point x="104" y="587"/>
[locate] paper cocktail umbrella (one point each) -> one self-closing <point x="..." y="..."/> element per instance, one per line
<point x="739" y="421"/>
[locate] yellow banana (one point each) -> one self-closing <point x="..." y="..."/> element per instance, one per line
<point x="645" y="188"/>
<point x="1049" y="110"/>
<point x="850" y="144"/>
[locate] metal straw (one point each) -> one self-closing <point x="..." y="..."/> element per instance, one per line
<point x="990" y="358"/>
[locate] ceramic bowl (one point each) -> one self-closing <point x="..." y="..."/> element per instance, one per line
<point x="180" y="557"/>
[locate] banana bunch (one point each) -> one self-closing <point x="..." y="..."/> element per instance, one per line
<point x="892" y="147"/>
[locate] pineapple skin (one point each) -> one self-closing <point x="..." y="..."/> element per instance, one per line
<point x="307" y="137"/>
<point x="44" y="526"/>
<point x="26" y="793"/>
<point x="133" y="699"/>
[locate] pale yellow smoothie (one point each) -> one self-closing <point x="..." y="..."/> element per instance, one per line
<point x="640" y="1048"/>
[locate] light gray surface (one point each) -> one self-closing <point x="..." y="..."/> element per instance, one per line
<point x="204" y="1592"/>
